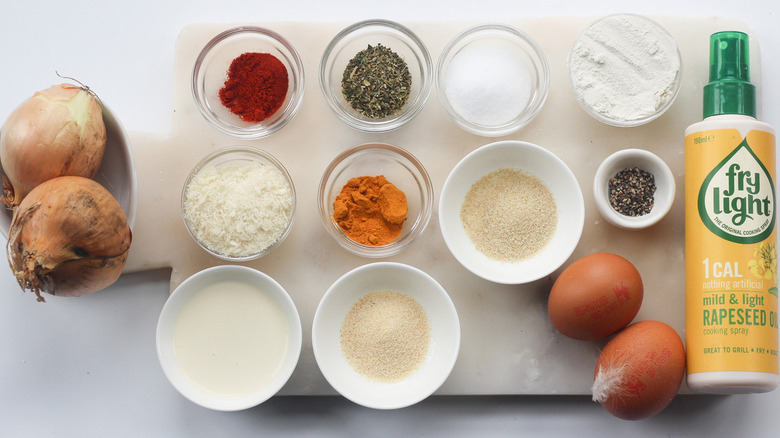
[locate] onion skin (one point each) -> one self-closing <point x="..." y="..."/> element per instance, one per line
<point x="68" y="237"/>
<point x="58" y="131"/>
<point x="639" y="371"/>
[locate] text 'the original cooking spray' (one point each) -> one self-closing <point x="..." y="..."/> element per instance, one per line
<point x="730" y="232"/>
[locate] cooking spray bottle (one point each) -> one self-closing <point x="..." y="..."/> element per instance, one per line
<point x="730" y="232"/>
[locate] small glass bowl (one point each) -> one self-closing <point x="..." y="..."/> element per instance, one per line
<point x="401" y="169"/>
<point x="231" y="156"/>
<point x="647" y="161"/>
<point x="639" y="119"/>
<point x="210" y="73"/>
<point x="514" y="41"/>
<point x="347" y="43"/>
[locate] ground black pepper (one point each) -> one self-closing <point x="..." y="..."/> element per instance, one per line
<point x="631" y="192"/>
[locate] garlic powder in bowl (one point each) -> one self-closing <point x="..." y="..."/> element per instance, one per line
<point x="238" y="203"/>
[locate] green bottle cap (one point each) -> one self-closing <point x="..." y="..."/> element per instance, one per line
<point x="729" y="90"/>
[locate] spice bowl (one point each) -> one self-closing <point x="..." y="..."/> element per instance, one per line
<point x="400" y="168"/>
<point x="492" y="79"/>
<point x="663" y="198"/>
<point x="530" y="159"/>
<point x="238" y="203"/>
<point x="401" y="41"/>
<point x="211" y="72"/>
<point x="420" y="378"/>
<point x="229" y="337"/>
<point x="625" y="70"/>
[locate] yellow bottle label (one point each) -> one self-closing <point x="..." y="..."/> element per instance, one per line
<point x="730" y="252"/>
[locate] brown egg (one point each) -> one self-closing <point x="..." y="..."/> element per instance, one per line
<point x="639" y="371"/>
<point x="595" y="296"/>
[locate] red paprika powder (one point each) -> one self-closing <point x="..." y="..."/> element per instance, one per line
<point x="256" y="86"/>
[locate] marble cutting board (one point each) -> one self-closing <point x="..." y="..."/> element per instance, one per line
<point x="508" y="345"/>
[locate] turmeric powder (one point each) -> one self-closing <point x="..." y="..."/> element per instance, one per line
<point x="370" y="210"/>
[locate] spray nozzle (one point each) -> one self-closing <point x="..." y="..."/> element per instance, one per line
<point x="729" y="90"/>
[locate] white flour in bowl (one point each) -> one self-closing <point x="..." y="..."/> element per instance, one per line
<point x="624" y="67"/>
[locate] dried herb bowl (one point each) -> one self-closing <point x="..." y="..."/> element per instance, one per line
<point x="400" y="168"/>
<point x="665" y="187"/>
<point x="211" y="71"/>
<point x="402" y="43"/>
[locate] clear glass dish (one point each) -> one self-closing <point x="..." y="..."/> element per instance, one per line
<point x="232" y="156"/>
<point x="509" y="40"/>
<point x="210" y="72"/>
<point x="401" y="169"/>
<point x="347" y="43"/>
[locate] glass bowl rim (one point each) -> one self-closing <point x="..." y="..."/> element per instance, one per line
<point x="629" y="123"/>
<point x="391" y="123"/>
<point x="259" y="130"/>
<point x="526" y="116"/>
<point x="257" y="152"/>
<point x="421" y="222"/>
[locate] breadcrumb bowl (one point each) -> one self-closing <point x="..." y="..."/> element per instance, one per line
<point x="442" y="347"/>
<point x="533" y="160"/>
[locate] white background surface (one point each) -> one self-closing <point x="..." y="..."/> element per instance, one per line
<point x="87" y="367"/>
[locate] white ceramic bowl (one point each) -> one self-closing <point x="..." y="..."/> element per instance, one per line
<point x="647" y="161"/>
<point x="442" y="350"/>
<point x="116" y="173"/>
<point x="401" y="169"/>
<point x="514" y="41"/>
<point x="536" y="161"/>
<point x="172" y="310"/>
<point x="210" y="73"/>
<point x="347" y="43"/>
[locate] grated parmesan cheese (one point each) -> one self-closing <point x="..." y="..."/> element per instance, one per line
<point x="238" y="209"/>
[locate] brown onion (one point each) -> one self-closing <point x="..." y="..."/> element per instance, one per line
<point x="59" y="131"/>
<point x="68" y="237"/>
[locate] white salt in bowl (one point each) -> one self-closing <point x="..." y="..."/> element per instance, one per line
<point x="204" y="394"/>
<point x="536" y="161"/>
<point x="355" y="38"/>
<point x="644" y="160"/>
<point x="231" y="156"/>
<point x="467" y="79"/>
<point x="442" y="350"/>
